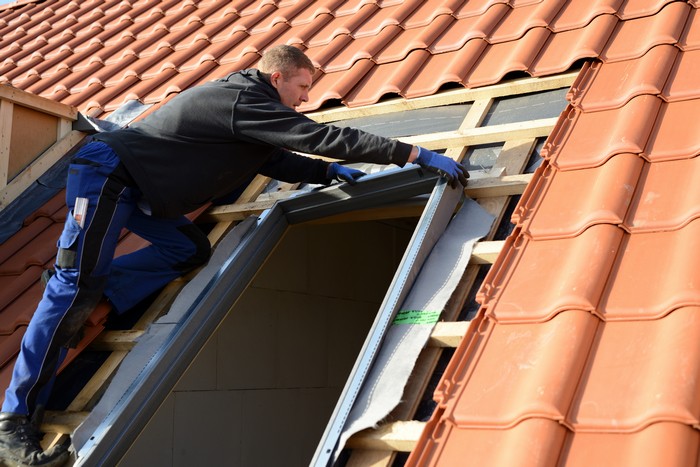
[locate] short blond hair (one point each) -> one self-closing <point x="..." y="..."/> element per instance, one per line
<point x="285" y="59"/>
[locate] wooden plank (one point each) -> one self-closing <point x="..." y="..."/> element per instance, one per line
<point x="33" y="133"/>
<point x="489" y="187"/>
<point x="486" y="252"/>
<point x="37" y="168"/>
<point x="116" y="340"/>
<point x="37" y="102"/>
<point x="448" y="333"/>
<point x="396" y="436"/>
<point x="63" y="422"/>
<point x="484" y="135"/>
<point x="477" y="188"/>
<point x="521" y="86"/>
<point x="6" y="108"/>
<point x="87" y="397"/>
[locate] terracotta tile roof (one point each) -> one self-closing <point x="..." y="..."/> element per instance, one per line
<point x="96" y="54"/>
<point x="587" y="312"/>
<point x="593" y="302"/>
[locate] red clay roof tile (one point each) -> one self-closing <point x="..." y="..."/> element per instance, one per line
<point x="401" y="45"/>
<point x="518" y="21"/>
<point x="12" y="286"/>
<point x="539" y="278"/>
<point x="37" y="252"/>
<point x="450" y="67"/>
<point x="607" y="86"/>
<point x="666" y="198"/>
<point x="9" y="346"/>
<point x="576" y="15"/>
<point x="681" y="84"/>
<point x="665" y="443"/>
<point x="564" y="48"/>
<point x="690" y="39"/>
<point x="387" y="78"/>
<point x="675" y="133"/>
<point x="500" y="59"/>
<point x="635" y="377"/>
<point x="465" y="29"/>
<point x="547" y="211"/>
<point x="633" y="38"/>
<point x="578" y="141"/>
<point x="541" y="376"/>
<point x="19" y="312"/>
<point x="636" y="291"/>
<point x="475" y="7"/>
<point x="534" y="442"/>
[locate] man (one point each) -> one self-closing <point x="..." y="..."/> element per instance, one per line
<point x="203" y="144"/>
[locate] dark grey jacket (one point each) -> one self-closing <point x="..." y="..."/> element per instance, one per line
<point x="208" y="140"/>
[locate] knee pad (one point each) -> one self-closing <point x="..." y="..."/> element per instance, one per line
<point x="201" y="245"/>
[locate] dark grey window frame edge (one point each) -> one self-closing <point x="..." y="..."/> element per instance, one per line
<point x="120" y="428"/>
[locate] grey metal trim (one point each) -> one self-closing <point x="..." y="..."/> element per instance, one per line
<point x="436" y="216"/>
<point x="119" y="429"/>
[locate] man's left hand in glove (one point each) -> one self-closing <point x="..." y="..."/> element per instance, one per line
<point x="344" y="174"/>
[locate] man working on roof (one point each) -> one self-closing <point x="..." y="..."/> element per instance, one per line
<point x="203" y="144"/>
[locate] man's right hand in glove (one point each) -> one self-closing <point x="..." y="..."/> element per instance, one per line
<point x="443" y="165"/>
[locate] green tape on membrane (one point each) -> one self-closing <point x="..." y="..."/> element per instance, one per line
<point x="416" y="317"/>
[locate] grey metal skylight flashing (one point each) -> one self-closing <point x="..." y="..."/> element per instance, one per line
<point x="115" y="433"/>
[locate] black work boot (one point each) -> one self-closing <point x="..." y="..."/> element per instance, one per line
<point x="19" y="444"/>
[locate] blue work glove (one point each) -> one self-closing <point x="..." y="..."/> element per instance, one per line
<point x="344" y="174"/>
<point x="443" y="165"/>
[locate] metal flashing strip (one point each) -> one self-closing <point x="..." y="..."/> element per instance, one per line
<point x="108" y="441"/>
<point x="436" y="216"/>
<point x="371" y="190"/>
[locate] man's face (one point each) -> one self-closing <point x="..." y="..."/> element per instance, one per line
<point x="293" y="89"/>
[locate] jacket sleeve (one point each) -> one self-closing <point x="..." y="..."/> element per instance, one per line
<point x="294" y="168"/>
<point x="257" y="118"/>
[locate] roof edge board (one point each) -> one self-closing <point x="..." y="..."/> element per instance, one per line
<point x="459" y="96"/>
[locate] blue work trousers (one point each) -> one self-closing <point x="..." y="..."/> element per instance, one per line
<point x="85" y="268"/>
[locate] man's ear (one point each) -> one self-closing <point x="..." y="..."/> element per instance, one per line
<point x="275" y="77"/>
